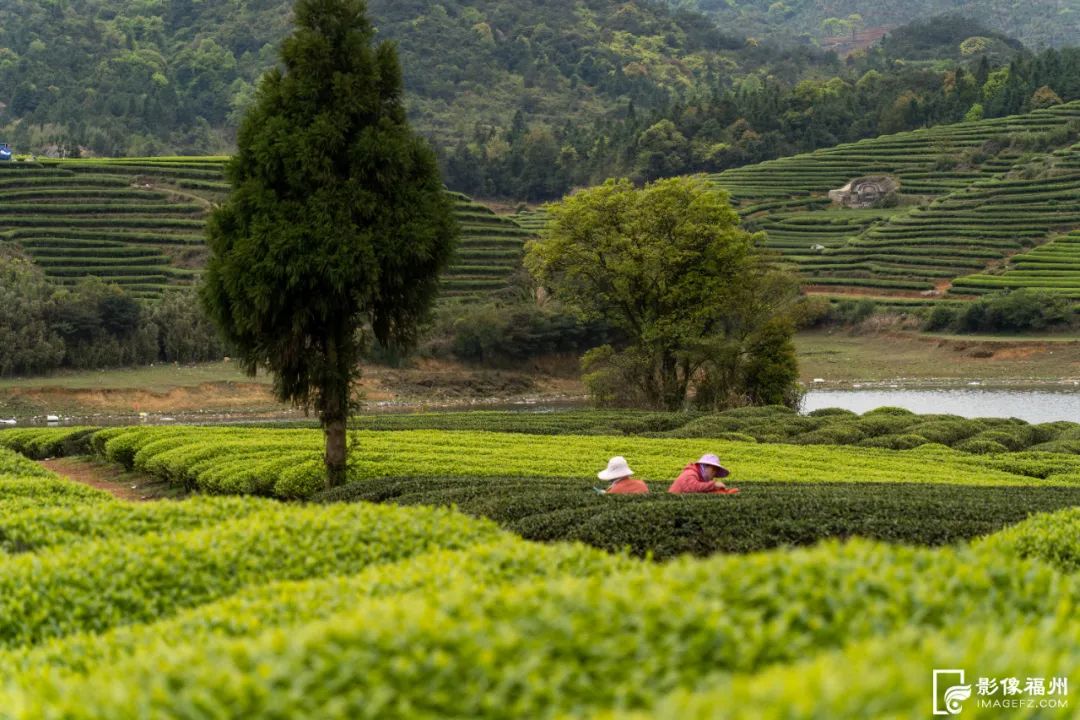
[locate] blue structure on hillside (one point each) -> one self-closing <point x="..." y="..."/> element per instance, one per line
<point x="5" y="152"/>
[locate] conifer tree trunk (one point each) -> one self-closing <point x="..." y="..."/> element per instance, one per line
<point x="334" y="397"/>
<point x="336" y="455"/>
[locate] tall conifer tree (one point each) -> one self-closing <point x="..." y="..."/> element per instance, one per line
<point x="337" y="225"/>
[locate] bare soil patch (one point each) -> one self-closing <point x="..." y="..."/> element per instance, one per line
<point x="114" y="480"/>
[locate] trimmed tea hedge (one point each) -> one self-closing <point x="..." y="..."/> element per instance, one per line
<point x="250" y="608"/>
<point x="762" y="516"/>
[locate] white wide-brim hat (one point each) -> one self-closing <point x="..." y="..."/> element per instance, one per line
<point x="616" y="468"/>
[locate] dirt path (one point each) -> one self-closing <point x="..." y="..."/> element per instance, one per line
<point x="103" y="476"/>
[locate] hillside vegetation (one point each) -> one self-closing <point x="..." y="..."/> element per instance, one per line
<point x="136" y="78"/>
<point x="521" y="100"/>
<point x="138" y="223"/>
<point x="972" y="195"/>
<point x="1036" y="22"/>
<point x="984" y="206"/>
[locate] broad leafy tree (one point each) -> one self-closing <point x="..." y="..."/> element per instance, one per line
<point x="696" y="301"/>
<point x="27" y="341"/>
<point x="338" y="224"/>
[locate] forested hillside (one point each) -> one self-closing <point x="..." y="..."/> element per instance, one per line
<point x="119" y="76"/>
<point x="521" y="100"/>
<point x="1037" y="23"/>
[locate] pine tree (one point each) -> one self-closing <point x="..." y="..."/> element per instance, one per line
<point x="337" y="225"/>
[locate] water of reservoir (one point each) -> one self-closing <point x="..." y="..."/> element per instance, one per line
<point x="1035" y="406"/>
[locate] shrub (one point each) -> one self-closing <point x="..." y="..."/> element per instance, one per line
<point x="1016" y="438"/>
<point x="895" y="442"/>
<point x="832" y="412"/>
<point x="708" y="426"/>
<point x="1058" y="446"/>
<point x="763" y="516"/>
<point x="981" y="446"/>
<point x="834" y="434"/>
<point x="1046" y="432"/>
<point x="1054" y="538"/>
<point x="736" y="437"/>
<point x="96" y="585"/>
<point x="873" y="425"/>
<point x="1016" y="311"/>
<point x="469" y="644"/>
<point x="885" y="410"/>
<point x="751" y="411"/>
<point x="941" y="317"/>
<point x="300" y="481"/>
<point x="946" y="432"/>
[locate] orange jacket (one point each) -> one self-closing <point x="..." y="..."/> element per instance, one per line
<point x="627" y="486"/>
<point x="691" y="481"/>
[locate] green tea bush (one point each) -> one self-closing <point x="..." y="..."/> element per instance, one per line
<point x="40" y="443"/>
<point x="835" y="434"/>
<point x="946" y="432"/>
<point x="873" y="425"/>
<point x="981" y="446"/>
<point x="708" y="426"/>
<point x="760" y="411"/>
<point x="895" y="442"/>
<point x="894" y="683"/>
<point x="832" y="412"/>
<point x="1047" y="432"/>
<point x="894" y="411"/>
<point x="1011" y="438"/>
<point x="256" y="608"/>
<point x="537" y="649"/>
<point x="1051" y="537"/>
<point x="99" y="584"/>
<point x="287" y="603"/>
<point x="50" y="526"/>
<point x="300" y="480"/>
<point x="1059" y="446"/>
<point x="762" y="516"/>
<point x="736" y="437"/>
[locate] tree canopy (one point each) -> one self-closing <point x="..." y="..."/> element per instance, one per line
<point x="338" y="223"/>
<point x="1037" y="23"/>
<point x="691" y="293"/>
<point x="523" y="99"/>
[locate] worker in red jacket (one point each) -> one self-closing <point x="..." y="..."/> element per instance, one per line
<point x="701" y="477"/>
<point x="622" y="477"/>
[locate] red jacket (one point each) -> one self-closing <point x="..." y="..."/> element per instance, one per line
<point x="690" y="481"/>
<point x="627" y="486"/>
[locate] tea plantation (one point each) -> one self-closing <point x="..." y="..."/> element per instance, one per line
<point x="247" y="607"/>
<point x="896" y="479"/>
<point x="138" y="222"/>
<point x="972" y="196"/>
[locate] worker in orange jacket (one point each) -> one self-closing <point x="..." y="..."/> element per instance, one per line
<point x="702" y="477"/>
<point x="623" y="481"/>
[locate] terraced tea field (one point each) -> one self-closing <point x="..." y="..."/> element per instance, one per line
<point x="915" y="157"/>
<point x="1054" y="267"/>
<point x="248" y="607"/>
<point x="138" y="222"/>
<point x="976" y="194"/>
<point x="489" y="251"/>
<point x="286" y="463"/>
